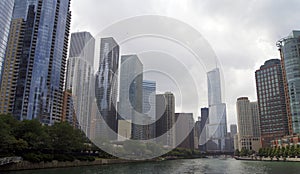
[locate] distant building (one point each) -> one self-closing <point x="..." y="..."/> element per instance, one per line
<point x="248" y="124"/>
<point x="80" y="78"/>
<point x="165" y="116"/>
<point x="233" y="130"/>
<point x="216" y="129"/>
<point x="106" y="87"/>
<point x="271" y="102"/>
<point x="184" y="130"/>
<point x="290" y="59"/>
<point x="68" y="111"/>
<point x="131" y="95"/>
<point x="149" y="93"/>
<point x="203" y="123"/>
<point x="124" y="130"/>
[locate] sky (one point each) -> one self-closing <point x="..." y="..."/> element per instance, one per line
<point x="242" y="33"/>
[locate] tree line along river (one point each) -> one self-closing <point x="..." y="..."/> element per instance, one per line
<point x="185" y="166"/>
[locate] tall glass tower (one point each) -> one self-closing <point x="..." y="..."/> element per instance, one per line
<point x="41" y="66"/>
<point x="131" y="94"/>
<point x="289" y="48"/>
<point x="6" y="10"/>
<point x="80" y="76"/>
<point x="216" y="129"/>
<point x="106" y="87"/>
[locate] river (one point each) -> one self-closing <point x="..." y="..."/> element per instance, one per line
<point x="186" y="166"/>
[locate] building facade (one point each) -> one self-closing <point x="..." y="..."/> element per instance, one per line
<point x="6" y="10"/>
<point x="289" y="50"/>
<point x="203" y="123"/>
<point x="80" y="77"/>
<point x="184" y="130"/>
<point x="216" y="129"/>
<point x="271" y="101"/>
<point x="165" y="116"/>
<point x="248" y="124"/>
<point x="149" y="93"/>
<point x="106" y="87"/>
<point x="131" y="95"/>
<point x="41" y="63"/>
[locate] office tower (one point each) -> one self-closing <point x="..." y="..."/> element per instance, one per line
<point x="165" y="116"/>
<point x="271" y="100"/>
<point x="289" y="50"/>
<point x="184" y="130"/>
<point x="6" y="10"/>
<point x="106" y="87"/>
<point x="40" y="65"/>
<point x="217" y="124"/>
<point x="68" y="111"/>
<point x="233" y="129"/>
<point x="79" y="79"/>
<point x="203" y="124"/>
<point x="248" y="124"/>
<point x="131" y="95"/>
<point x="149" y="92"/>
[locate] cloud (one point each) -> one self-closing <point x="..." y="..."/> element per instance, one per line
<point x="242" y="33"/>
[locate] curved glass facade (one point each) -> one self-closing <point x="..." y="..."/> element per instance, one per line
<point x="6" y="9"/>
<point x="290" y="51"/>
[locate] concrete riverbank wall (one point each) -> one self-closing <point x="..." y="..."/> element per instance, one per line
<point x="25" y="165"/>
<point x="281" y="159"/>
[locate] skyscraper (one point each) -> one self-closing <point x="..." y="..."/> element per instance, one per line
<point x="165" y="116"/>
<point x="233" y="130"/>
<point x="6" y="10"/>
<point x="184" y="130"/>
<point x="149" y="92"/>
<point x="248" y="124"/>
<point x="289" y="50"/>
<point x="216" y="128"/>
<point x="106" y="87"/>
<point x="41" y="67"/>
<point x="203" y="123"/>
<point x="271" y="101"/>
<point x="80" y="77"/>
<point x="131" y="94"/>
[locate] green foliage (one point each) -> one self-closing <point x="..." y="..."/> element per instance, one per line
<point x="36" y="143"/>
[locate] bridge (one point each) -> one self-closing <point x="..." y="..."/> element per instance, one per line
<point x="9" y="160"/>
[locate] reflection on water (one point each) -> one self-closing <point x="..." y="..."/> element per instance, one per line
<point x="192" y="166"/>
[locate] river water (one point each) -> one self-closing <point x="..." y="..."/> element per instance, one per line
<point x="186" y="166"/>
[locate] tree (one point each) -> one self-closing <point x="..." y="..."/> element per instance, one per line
<point x="237" y="152"/>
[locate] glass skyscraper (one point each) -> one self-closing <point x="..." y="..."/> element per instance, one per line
<point x="80" y="76"/>
<point x="106" y="87"/>
<point x="216" y="129"/>
<point x="290" y="56"/>
<point x="131" y="94"/>
<point x="42" y="60"/>
<point x="6" y="10"/>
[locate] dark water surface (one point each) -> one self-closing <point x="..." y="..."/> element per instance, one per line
<point x="189" y="166"/>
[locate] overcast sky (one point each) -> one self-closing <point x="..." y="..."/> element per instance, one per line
<point x="243" y="33"/>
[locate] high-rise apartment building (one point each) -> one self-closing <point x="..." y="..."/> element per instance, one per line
<point x="233" y="129"/>
<point x="40" y="64"/>
<point x="271" y="101"/>
<point x="79" y="79"/>
<point x="165" y="116"/>
<point x="106" y="87"/>
<point x="131" y="95"/>
<point x="248" y="124"/>
<point x="289" y="48"/>
<point x="6" y="10"/>
<point x="216" y="129"/>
